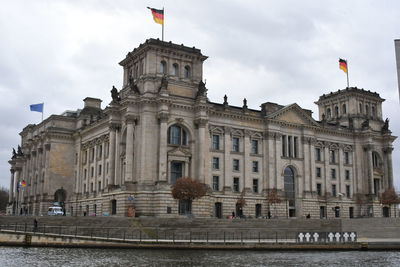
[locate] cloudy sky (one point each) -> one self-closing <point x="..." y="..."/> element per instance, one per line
<point x="60" y="51"/>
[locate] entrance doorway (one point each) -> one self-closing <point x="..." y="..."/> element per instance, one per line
<point x="351" y="212"/>
<point x="258" y="210"/>
<point x="239" y="210"/>
<point x="337" y="212"/>
<point x="322" y="212"/>
<point x="218" y="210"/>
<point x="385" y="212"/>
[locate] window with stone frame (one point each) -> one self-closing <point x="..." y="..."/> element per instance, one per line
<point x="333" y="174"/>
<point x="84" y="156"/>
<point x="255" y="185"/>
<point x="334" y="192"/>
<point x="332" y="156"/>
<point x="188" y="73"/>
<point x="177" y="135"/>
<point x="235" y="144"/>
<point x="99" y="151"/>
<point x="318" y="172"/>
<point x="99" y="186"/>
<point x="347" y="174"/>
<point x="215" y="183"/>
<point x="346" y="157"/>
<point x="99" y="169"/>
<point x="348" y="192"/>
<point x="318" y="154"/>
<point x="106" y="149"/>
<point x="215" y="163"/>
<point x="91" y="152"/>
<point x="236" y="185"/>
<point x="175" y="69"/>
<point x="319" y="189"/>
<point x="91" y="172"/>
<point x="254" y="146"/>
<point x="163" y="67"/>
<point x="255" y="166"/>
<point x="235" y="165"/>
<point x="216" y="141"/>
<point x="84" y="174"/>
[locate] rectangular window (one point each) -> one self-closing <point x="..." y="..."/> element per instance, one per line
<point x="99" y="186"/>
<point x="290" y="146"/>
<point x="84" y="188"/>
<point x="236" y="187"/>
<point x="215" y="163"/>
<point x="284" y="146"/>
<point x="254" y="146"/>
<point x="255" y="166"/>
<point x="84" y="174"/>
<point x="84" y="157"/>
<point x="255" y="185"/>
<point x="91" y="187"/>
<point x="235" y="144"/>
<point x="92" y="154"/>
<point x="106" y="149"/>
<point x="76" y="158"/>
<point x="318" y="154"/>
<point x="376" y="186"/>
<point x="346" y="157"/>
<point x="348" y="191"/>
<point x="332" y="158"/>
<point x="347" y="174"/>
<point x="176" y="171"/>
<point x="235" y="165"/>
<point x="295" y="152"/>
<point x="334" y="190"/>
<point x="99" y="170"/>
<point x="215" y="142"/>
<point x="333" y="173"/>
<point x="319" y="189"/>
<point x="216" y="183"/>
<point x="107" y="168"/>
<point x="91" y="172"/>
<point x="99" y="151"/>
<point x="318" y="172"/>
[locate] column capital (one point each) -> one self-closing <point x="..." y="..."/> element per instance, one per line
<point x="163" y="117"/>
<point x="367" y="147"/>
<point x="201" y="122"/>
<point x="131" y="119"/>
<point x="114" y="126"/>
<point x="387" y="150"/>
<point x="12" y="171"/>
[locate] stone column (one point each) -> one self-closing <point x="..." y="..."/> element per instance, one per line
<point x="111" y="156"/>
<point x="247" y="164"/>
<point x="270" y="158"/>
<point x="11" y="195"/>
<point x="341" y="175"/>
<point x="370" y="168"/>
<point x="17" y="175"/>
<point x="130" y="124"/>
<point x="162" y="150"/>
<point x="327" y="178"/>
<point x="227" y="178"/>
<point x="312" y="164"/>
<point x="389" y="171"/>
<point x="201" y="124"/>
<point x="306" y="165"/>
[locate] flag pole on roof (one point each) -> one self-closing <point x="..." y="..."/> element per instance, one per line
<point x="158" y="17"/>
<point x="344" y="67"/>
<point x="38" y="108"/>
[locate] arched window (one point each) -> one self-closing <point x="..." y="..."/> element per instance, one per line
<point x="373" y="111"/>
<point x="361" y="109"/>
<point x="336" y="111"/>
<point x="376" y="160"/>
<point x="163" y="67"/>
<point x="289" y="183"/>
<point x="187" y="72"/>
<point x="177" y="135"/>
<point x="367" y="109"/>
<point x="328" y="113"/>
<point x="344" y="109"/>
<point x="175" y="69"/>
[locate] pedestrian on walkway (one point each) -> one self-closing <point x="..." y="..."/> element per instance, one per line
<point x="35" y="225"/>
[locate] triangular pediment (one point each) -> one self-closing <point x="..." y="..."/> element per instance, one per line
<point x="179" y="152"/>
<point x="293" y="114"/>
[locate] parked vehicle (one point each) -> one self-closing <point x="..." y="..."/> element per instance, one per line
<point x="54" y="211"/>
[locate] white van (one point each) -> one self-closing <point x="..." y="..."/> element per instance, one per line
<point x="54" y="211"/>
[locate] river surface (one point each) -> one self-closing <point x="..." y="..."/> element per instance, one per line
<point x="18" y="256"/>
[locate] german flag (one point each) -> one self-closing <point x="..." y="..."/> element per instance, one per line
<point x="343" y="65"/>
<point x="158" y="15"/>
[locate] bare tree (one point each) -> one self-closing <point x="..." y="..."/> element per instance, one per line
<point x="390" y="197"/>
<point x="273" y="198"/>
<point x="240" y="203"/>
<point x="3" y="199"/>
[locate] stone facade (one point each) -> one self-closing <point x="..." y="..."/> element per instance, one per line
<point x="161" y="126"/>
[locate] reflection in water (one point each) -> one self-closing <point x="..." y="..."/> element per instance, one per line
<point x="16" y="256"/>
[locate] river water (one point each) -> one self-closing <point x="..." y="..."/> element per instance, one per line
<point x="18" y="256"/>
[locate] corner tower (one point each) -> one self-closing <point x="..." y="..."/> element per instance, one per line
<point x="146" y="65"/>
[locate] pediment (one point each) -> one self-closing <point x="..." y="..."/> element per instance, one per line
<point x="179" y="152"/>
<point x="293" y="114"/>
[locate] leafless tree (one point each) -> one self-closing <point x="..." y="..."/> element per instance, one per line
<point x="3" y="199"/>
<point x="273" y="198"/>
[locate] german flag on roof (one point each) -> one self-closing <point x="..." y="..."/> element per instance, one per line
<point x="158" y="15"/>
<point x="343" y="65"/>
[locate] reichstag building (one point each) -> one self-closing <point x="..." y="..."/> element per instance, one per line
<point x="160" y="126"/>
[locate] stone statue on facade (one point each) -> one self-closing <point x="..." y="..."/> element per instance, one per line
<point x="225" y="100"/>
<point x="14" y="154"/>
<point x="385" y="127"/>
<point x="133" y="86"/>
<point x="115" y="94"/>
<point x="202" y="90"/>
<point x="19" y="151"/>
<point x="244" y="103"/>
<point x="365" y="124"/>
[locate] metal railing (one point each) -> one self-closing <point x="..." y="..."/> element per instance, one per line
<point x="155" y="235"/>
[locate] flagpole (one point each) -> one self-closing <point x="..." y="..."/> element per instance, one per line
<point x="347" y="63"/>
<point x="162" y="34"/>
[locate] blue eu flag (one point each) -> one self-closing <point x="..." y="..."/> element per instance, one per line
<point x="37" y="107"/>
